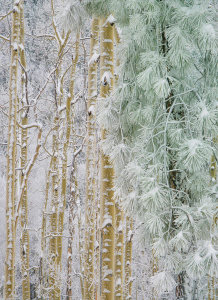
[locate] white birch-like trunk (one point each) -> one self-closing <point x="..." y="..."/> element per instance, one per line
<point x="9" y="289"/>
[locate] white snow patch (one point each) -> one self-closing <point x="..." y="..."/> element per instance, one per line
<point x="94" y="58"/>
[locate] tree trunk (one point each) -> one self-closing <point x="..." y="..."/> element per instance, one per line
<point x="53" y="289"/>
<point x="212" y="290"/>
<point x="119" y="243"/>
<point x="62" y="208"/>
<point x="128" y="259"/>
<point x="119" y="252"/>
<point x="11" y="159"/>
<point x="42" y="268"/>
<point x="154" y="271"/>
<point x="107" y="205"/>
<point x="24" y="140"/>
<point x="72" y="213"/>
<point x="90" y="207"/>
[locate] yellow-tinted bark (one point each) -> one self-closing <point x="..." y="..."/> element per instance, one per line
<point x="57" y="216"/>
<point x="119" y="252"/>
<point x="119" y="245"/>
<point x="24" y="200"/>
<point x="42" y="267"/>
<point x="81" y="255"/>
<point x="24" y="220"/>
<point x="72" y="205"/>
<point x="53" y="293"/>
<point x="107" y="205"/>
<point x="212" y="291"/>
<point x="72" y="211"/>
<point x="97" y="220"/>
<point x="11" y="160"/>
<point x="128" y="260"/>
<point x="65" y="158"/>
<point x="90" y="207"/>
<point x="154" y="271"/>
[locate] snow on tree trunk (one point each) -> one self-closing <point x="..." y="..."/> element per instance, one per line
<point x="119" y="215"/>
<point x="53" y="288"/>
<point x="9" y="291"/>
<point x="212" y="289"/>
<point x="71" y="218"/>
<point x="62" y="205"/>
<point x="24" y="147"/>
<point x="119" y="252"/>
<point x="107" y="205"/>
<point x="90" y="208"/>
<point x="128" y="259"/>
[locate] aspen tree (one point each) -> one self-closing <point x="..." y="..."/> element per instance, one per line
<point x="11" y="159"/>
<point x="91" y="163"/>
<point x="42" y="269"/>
<point x="119" y="252"/>
<point x="24" y="140"/>
<point x="53" y="289"/>
<point x="119" y="241"/>
<point x="53" y="293"/>
<point x="73" y="193"/>
<point x="58" y="201"/>
<point x="107" y="206"/>
<point x="97" y="219"/>
<point x="211" y="280"/>
<point x="65" y="149"/>
<point x="54" y="254"/>
<point x="154" y="271"/>
<point x="97" y="214"/>
<point x="72" y="205"/>
<point x="69" y="121"/>
<point x="128" y="259"/>
<point x="81" y="254"/>
<point x="54" y="283"/>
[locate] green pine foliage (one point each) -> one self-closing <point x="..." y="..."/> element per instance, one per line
<point x="162" y="128"/>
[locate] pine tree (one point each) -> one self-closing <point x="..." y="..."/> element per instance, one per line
<point x="161" y="122"/>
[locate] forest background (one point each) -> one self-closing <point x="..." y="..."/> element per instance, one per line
<point x="114" y="146"/>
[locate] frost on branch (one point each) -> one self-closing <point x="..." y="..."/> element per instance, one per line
<point x="163" y="282"/>
<point x="73" y="16"/>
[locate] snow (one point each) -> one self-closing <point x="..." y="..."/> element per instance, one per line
<point x="91" y="110"/>
<point x="193" y="145"/>
<point x="118" y="282"/>
<point x="149" y="137"/>
<point x="21" y="46"/>
<point x="107" y="222"/>
<point x="106" y="78"/>
<point x="15" y="46"/>
<point x="94" y="58"/>
<point x="110" y="19"/>
<point x="209" y="30"/>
